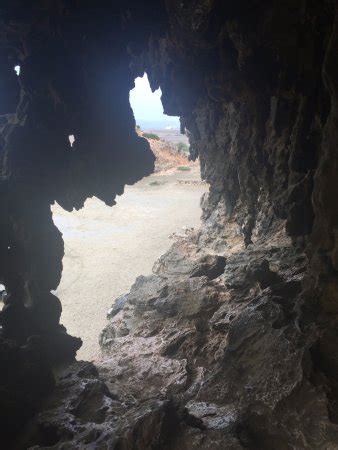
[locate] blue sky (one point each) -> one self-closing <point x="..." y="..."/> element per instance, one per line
<point x="147" y="105"/>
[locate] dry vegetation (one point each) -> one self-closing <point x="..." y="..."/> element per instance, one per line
<point x="168" y="155"/>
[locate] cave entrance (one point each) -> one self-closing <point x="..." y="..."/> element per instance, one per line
<point x="106" y="249"/>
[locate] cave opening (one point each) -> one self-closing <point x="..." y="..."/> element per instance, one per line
<point x="230" y="341"/>
<point x="106" y="248"/>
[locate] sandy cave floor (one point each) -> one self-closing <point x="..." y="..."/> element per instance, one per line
<point x="107" y="248"/>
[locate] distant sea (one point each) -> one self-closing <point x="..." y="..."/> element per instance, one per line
<point x="146" y="125"/>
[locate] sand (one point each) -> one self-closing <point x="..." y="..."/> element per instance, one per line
<point x="107" y="248"/>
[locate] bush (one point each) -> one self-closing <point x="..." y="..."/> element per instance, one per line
<point x="151" y="136"/>
<point x="183" y="168"/>
<point x="182" y="147"/>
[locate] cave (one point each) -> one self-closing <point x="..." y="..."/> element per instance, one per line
<point x="232" y="342"/>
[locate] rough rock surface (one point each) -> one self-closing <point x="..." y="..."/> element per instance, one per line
<point x="206" y="353"/>
<point x="232" y="342"/>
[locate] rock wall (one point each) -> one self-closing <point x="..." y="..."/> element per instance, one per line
<point x="252" y="345"/>
<point x="74" y="80"/>
<point x="231" y="343"/>
<point x="248" y="83"/>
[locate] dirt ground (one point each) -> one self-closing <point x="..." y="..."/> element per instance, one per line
<point x="107" y="248"/>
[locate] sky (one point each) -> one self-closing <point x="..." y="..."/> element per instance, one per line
<point x="147" y="106"/>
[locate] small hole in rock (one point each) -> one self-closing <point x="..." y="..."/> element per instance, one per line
<point x="17" y="70"/>
<point x="3" y="294"/>
<point x="71" y="139"/>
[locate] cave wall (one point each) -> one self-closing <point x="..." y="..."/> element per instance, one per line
<point x="74" y="80"/>
<point x="250" y="83"/>
<point x="255" y="85"/>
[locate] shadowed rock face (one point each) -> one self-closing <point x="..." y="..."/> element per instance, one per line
<point x="66" y="88"/>
<point x="74" y="80"/>
<point x="232" y="342"/>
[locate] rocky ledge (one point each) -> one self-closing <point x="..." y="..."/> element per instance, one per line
<point x="208" y="352"/>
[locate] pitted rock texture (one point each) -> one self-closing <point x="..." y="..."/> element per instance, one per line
<point x="216" y="362"/>
<point x="83" y="413"/>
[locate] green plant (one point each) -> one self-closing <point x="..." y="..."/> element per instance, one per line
<point x="138" y="127"/>
<point x="183" y="168"/>
<point x="182" y="147"/>
<point x="151" y="136"/>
